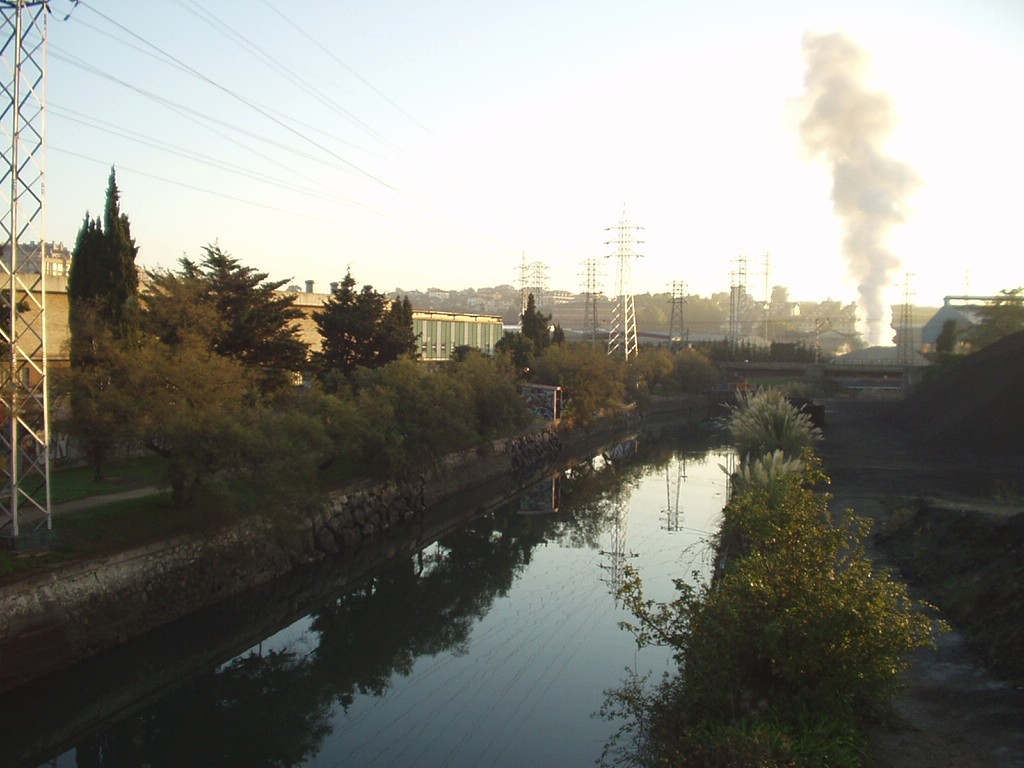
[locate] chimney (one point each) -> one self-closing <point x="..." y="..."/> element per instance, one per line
<point x="309" y="286"/>
<point x="334" y="288"/>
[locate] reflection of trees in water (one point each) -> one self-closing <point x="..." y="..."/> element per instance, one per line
<point x="259" y="710"/>
<point x="593" y="490"/>
<point x="415" y="615"/>
<point x="273" y="709"/>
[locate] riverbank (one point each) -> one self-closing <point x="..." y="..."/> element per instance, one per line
<point x="955" y="712"/>
<point x="63" y="614"/>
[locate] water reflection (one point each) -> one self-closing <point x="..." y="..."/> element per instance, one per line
<point x="491" y="645"/>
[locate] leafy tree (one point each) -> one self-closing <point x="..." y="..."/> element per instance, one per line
<point x="517" y="349"/>
<point x="244" y="316"/>
<point x="591" y="379"/>
<point x="694" y="372"/>
<point x="361" y="329"/>
<point x="648" y="373"/>
<point x="1000" y="317"/>
<point x="428" y="413"/>
<point x="535" y="325"/>
<point x="187" y="409"/>
<point x="497" y="405"/>
<point x="558" y="335"/>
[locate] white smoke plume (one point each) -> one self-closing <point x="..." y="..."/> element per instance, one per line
<point x="846" y="125"/>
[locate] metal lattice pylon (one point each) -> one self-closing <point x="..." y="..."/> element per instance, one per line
<point x="677" y="335"/>
<point x="24" y="429"/>
<point x="905" y="333"/>
<point x="622" y="331"/>
<point x="591" y="278"/>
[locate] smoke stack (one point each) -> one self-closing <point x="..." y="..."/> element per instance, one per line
<point x="309" y="286"/>
<point x="846" y="126"/>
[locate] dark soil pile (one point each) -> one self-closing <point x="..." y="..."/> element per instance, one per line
<point x="975" y="405"/>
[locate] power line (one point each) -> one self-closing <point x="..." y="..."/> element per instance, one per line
<point x="194" y="187"/>
<point x="185" y="111"/>
<point x="300" y="82"/>
<point x="349" y="69"/>
<point x="246" y="102"/>
<point x="110" y="128"/>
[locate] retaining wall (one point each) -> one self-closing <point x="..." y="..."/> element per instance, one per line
<point x="52" y="619"/>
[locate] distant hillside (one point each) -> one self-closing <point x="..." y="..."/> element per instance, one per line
<point x="976" y="405"/>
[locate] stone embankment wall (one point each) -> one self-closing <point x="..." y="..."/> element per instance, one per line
<point x="52" y="619"/>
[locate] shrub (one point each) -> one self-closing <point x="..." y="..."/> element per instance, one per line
<point x="592" y="380"/>
<point x="694" y="372"/>
<point x="764" y="422"/>
<point x="793" y="644"/>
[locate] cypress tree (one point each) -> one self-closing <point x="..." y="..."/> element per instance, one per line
<point x="103" y="280"/>
<point x="103" y="312"/>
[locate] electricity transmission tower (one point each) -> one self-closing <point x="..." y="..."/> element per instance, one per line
<point x="24" y="429"/>
<point x="677" y="336"/>
<point x="737" y="301"/>
<point x="906" y="325"/>
<point x="673" y="506"/>
<point x="622" y="332"/>
<point x="533" y="278"/>
<point x="591" y="279"/>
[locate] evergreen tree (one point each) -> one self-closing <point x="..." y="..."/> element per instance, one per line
<point x="103" y="288"/>
<point x="360" y="329"/>
<point x="535" y="325"/>
<point x="242" y="315"/>
<point x="103" y="279"/>
<point x="123" y="288"/>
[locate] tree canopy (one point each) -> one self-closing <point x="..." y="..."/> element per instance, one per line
<point x="241" y="313"/>
<point x="362" y="329"/>
<point x="1000" y="317"/>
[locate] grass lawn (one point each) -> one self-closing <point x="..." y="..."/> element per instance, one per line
<point x="104" y="530"/>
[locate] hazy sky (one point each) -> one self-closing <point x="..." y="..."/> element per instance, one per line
<point x="433" y="143"/>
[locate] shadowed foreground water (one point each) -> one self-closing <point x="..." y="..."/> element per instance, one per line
<point x="492" y="646"/>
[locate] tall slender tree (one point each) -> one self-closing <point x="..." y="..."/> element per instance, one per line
<point x="536" y="325"/>
<point x="103" y="313"/>
<point x="103" y="280"/>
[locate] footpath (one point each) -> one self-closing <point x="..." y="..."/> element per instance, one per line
<point x="91" y="502"/>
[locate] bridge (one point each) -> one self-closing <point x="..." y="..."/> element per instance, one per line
<point x="858" y="374"/>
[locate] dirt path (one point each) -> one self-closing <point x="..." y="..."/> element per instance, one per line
<point x="953" y="713"/>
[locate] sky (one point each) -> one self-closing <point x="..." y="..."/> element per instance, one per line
<point x="441" y="144"/>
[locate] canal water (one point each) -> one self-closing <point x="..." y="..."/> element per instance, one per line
<point x="492" y="645"/>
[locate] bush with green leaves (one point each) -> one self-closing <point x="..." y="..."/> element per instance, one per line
<point x="694" y="372"/>
<point x="797" y="636"/>
<point x="592" y="380"/>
